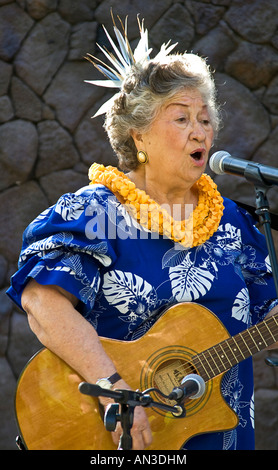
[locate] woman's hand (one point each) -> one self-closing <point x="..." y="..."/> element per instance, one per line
<point x="140" y="432"/>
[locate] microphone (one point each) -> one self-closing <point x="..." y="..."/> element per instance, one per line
<point x="192" y="386"/>
<point x="222" y="162"/>
<point x="95" y="391"/>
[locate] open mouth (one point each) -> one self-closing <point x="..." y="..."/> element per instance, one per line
<point x="198" y="154"/>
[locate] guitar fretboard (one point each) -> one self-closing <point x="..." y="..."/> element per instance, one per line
<point x="224" y="355"/>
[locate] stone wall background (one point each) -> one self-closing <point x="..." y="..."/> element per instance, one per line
<point x="48" y="139"/>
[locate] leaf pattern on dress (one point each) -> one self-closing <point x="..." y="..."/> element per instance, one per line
<point x="189" y="282"/>
<point x="268" y="264"/>
<point x="98" y="251"/>
<point x="252" y="411"/>
<point x="70" y="207"/>
<point x="232" y="390"/>
<point x="221" y="254"/>
<point x="174" y="256"/>
<point x="89" y="292"/>
<point x="46" y="247"/>
<point x="230" y="235"/>
<point x="129" y="293"/>
<point x="241" y="306"/>
<point x="90" y="289"/>
<point x="73" y="262"/>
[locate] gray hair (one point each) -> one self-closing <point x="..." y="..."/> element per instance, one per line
<point x="144" y="92"/>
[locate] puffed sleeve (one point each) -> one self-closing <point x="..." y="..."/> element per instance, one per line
<point x="66" y="246"/>
<point x="255" y="267"/>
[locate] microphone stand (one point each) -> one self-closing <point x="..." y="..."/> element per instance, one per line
<point x="128" y="399"/>
<point x="253" y="175"/>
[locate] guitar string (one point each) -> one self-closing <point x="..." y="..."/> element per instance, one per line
<point x="197" y="362"/>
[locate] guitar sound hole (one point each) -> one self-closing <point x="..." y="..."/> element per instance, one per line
<point x="169" y="375"/>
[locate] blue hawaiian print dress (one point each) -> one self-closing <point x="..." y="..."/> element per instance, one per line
<point x="125" y="276"/>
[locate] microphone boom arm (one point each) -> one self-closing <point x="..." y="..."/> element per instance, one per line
<point x="253" y="175"/>
<point x="128" y="399"/>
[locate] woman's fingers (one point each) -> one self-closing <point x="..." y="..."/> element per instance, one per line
<point x="140" y="432"/>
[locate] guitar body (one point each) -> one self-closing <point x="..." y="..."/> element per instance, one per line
<point x="53" y="415"/>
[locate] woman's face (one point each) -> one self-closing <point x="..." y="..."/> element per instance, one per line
<point x="180" y="139"/>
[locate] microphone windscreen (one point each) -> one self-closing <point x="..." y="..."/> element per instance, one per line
<point x="216" y="160"/>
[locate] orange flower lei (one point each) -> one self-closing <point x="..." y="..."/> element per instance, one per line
<point x="198" y="228"/>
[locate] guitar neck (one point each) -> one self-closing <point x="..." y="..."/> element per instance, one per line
<point x="224" y="355"/>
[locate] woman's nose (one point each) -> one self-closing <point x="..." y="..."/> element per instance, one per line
<point x="198" y="132"/>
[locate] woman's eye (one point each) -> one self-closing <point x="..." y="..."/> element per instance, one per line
<point x="206" y="122"/>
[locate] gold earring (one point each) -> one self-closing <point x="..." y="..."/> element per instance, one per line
<point x="142" y="157"/>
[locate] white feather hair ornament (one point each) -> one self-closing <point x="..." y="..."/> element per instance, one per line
<point x="123" y="60"/>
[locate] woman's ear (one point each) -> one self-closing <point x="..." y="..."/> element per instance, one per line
<point x="137" y="137"/>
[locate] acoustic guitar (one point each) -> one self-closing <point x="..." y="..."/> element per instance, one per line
<point x="53" y="414"/>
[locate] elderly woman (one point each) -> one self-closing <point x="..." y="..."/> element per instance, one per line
<point x="109" y="259"/>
